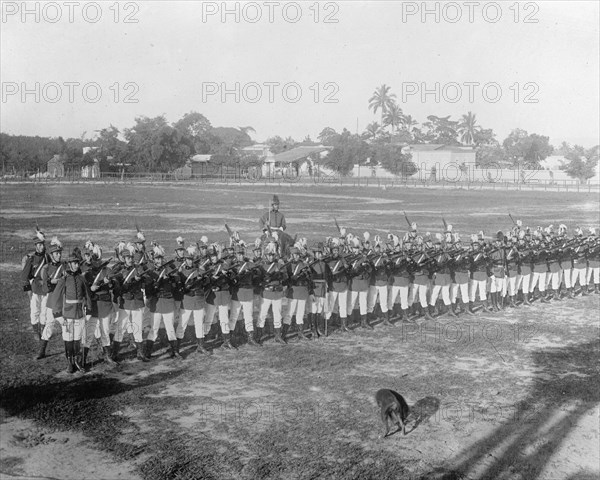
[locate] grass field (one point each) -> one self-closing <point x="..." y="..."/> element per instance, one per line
<point x="512" y="395"/>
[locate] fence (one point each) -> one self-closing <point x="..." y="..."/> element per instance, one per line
<point x="255" y="177"/>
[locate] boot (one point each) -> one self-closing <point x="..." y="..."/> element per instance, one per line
<point x="37" y="330"/>
<point x="597" y="288"/>
<point x="526" y="300"/>
<point x="317" y="318"/>
<point x="148" y="349"/>
<point x="364" y="323"/>
<point x="84" y="357"/>
<point x="174" y="351"/>
<point x="543" y="298"/>
<point x="495" y="307"/>
<point x="202" y="350"/>
<point x="344" y="326"/>
<point x="584" y="291"/>
<point x="284" y="330"/>
<point x="42" y="352"/>
<point x="301" y="335"/>
<point x="405" y="317"/>
<point x="513" y="304"/>
<point x="115" y="350"/>
<point x="470" y="308"/>
<point x="451" y="311"/>
<point x="486" y="306"/>
<point x="77" y="356"/>
<point x="140" y="352"/>
<point x="69" y="354"/>
<point x="111" y="337"/>
<point x="429" y="312"/>
<point x="107" y="357"/>
<point x="227" y="345"/>
<point x="259" y="335"/>
<point x="278" y="337"/>
<point x="387" y="318"/>
<point x="251" y="340"/>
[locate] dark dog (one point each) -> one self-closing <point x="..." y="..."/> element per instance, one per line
<point x="394" y="409"/>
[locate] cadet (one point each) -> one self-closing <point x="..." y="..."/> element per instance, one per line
<point x="298" y="287"/>
<point x="33" y="282"/>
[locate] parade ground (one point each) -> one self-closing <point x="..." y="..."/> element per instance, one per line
<point x="508" y="395"/>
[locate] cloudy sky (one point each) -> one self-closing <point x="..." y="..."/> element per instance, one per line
<point x="289" y="68"/>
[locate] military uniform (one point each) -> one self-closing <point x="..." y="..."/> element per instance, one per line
<point x="298" y="283"/>
<point x="242" y="294"/>
<point x="71" y="299"/>
<point x="273" y="275"/>
<point x="31" y="277"/>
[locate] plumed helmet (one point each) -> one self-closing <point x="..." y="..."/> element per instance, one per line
<point x="140" y="237"/>
<point x="438" y="238"/>
<point x="203" y="241"/>
<point x="191" y="251"/>
<point x="519" y="223"/>
<point x="128" y="250"/>
<point x="413" y="226"/>
<point x="39" y="236"/>
<point x="366" y="236"/>
<point x="180" y="243"/>
<point x="355" y="242"/>
<point x="89" y="245"/>
<point x="449" y="228"/>
<point x="271" y="248"/>
<point x="158" y="251"/>
<point x="97" y="251"/>
<point x="55" y="245"/>
<point x="257" y="243"/>
<point x="275" y="200"/>
<point x="474" y="238"/>
<point x="343" y="231"/>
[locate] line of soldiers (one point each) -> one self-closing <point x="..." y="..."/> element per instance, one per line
<point x="139" y="291"/>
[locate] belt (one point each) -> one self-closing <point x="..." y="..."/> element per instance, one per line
<point x="540" y="263"/>
<point x="164" y="295"/>
<point x="273" y="289"/>
<point x="73" y="301"/>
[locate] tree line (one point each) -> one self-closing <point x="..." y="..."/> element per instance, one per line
<point x="154" y="144"/>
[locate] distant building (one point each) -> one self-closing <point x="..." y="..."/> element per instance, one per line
<point x="91" y="171"/>
<point x="56" y="167"/>
<point x="280" y="163"/>
<point x="258" y="149"/>
<point x="433" y="161"/>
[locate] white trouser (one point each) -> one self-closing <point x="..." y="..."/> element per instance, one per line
<point x="396" y="291"/>
<point x="55" y="325"/>
<point x="463" y="289"/>
<point x="247" y="307"/>
<point x="341" y="300"/>
<point x="72" y="329"/>
<point x="264" y="310"/>
<point x="186" y="316"/>
<point x="223" y="316"/>
<point x="512" y="285"/>
<point x="539" y="279"/>
<point x="296" y="306"/>
<point x="478" y="286"/>
<point x="496" y="284"/>
<point x="362" y="301"/>
<point x="567" y="277"/>
<point x="524" y="283"/>
<point x="419" y="291"/>
<point x="130" y="319"/>
<point x="593" y="274"/>
<point x="579" y="273"/>
<point x="374" y="292"/>
<point x="445" y="290"/>
<point x="554" y="280"/>
<point x="37" y="309"/>
<point x="316" y="304"/>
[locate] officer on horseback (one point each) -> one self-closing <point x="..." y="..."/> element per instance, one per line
<point x="273" y="219"/>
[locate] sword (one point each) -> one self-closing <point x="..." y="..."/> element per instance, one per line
<point x="407" y="220"/>
<point x="57" y="272"/>
<point x="102" y="267"/>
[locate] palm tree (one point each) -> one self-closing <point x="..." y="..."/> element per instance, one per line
<point x="408" y="122"/>
<point x="382" y="99"/>
<point x="373" y="129"/>
<point x="393" y="117"/>
<point x="468" y="128"/>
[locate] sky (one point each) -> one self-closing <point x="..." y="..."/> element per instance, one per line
<point x="294" y="68"/>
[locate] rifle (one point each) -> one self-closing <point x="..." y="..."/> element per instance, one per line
<point x="444" y="222"/>
<point x="337" y="226"/>
<point x="100" y="270"/>
<point x="164" y="271"/>
<point x="512" y="219"/>
<point x="407" y="220"/>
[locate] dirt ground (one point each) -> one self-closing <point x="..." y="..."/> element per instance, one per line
<point x="513" y="395"/>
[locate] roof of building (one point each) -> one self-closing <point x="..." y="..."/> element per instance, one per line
<point x="299" y="153"/>
<point x="428" y="147"/>
<point x="200" y="158"/>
